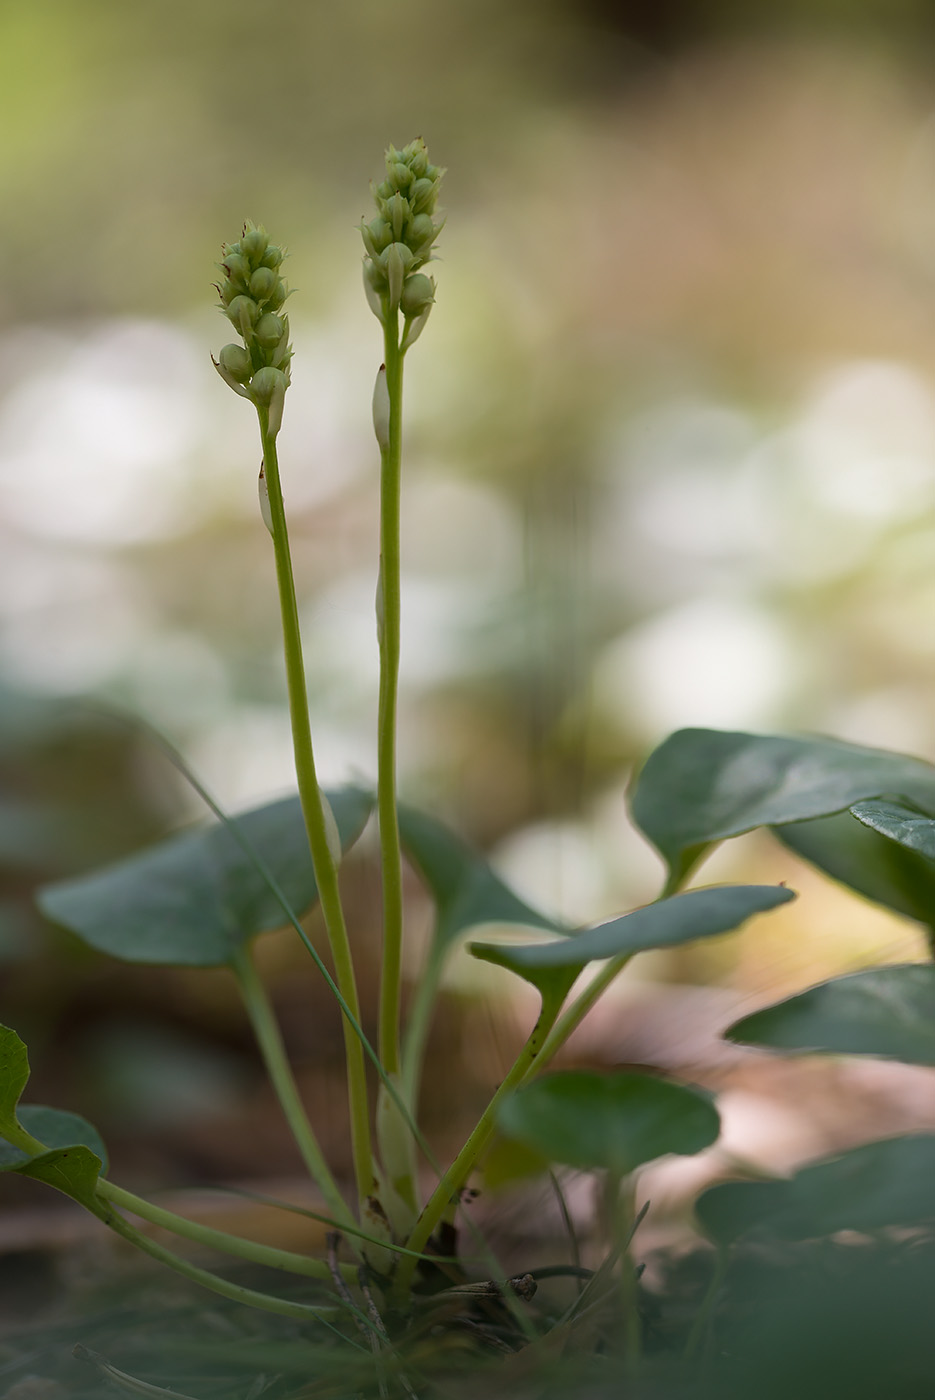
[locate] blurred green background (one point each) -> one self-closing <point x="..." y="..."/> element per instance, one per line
<point x="670" y="459"/>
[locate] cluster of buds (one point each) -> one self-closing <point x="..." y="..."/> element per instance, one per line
<point x="252" y="295"/>
<point x="399" y="240"/>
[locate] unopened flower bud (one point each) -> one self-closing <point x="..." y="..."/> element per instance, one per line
<point x="236" y="361"/>
<point x="237" y="268"/>
<point x="277" y="296"/>
<point x="268" y="390"/>
<point x="377" y="236"/>
<point x="262" y="283"/>
<point x="282" y="354"/>
<point x="422" y="233"/>
<point x="381" y="232"/>
<point x="265" y="383"/>
<point x="254" y="243"/>
<point x="272" y="257"/>
<point x="242" y="313"/>
<point x="268" y="330"/>
<point x="418" y="293"/>
<point x="418" y="157"/>
<point x="229" y="379"/>
<point x="397" y="212"/>
<point x="423" y="195"/>
<point x="400" y="175"/>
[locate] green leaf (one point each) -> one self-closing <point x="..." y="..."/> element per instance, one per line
<point x="77" y="1154"/>
<point x="888" y="1183"/>
<point x="71" y="1170"/>
<point x="908" y="829"/>
<point x="194" y="899"/>
<point x="465" y="889"/>
<point x="55" y="1128"/>
<point x="877" y="868"/>
<point x="702" y="786"/>
<point x="14" y="1076"/>
<point x="617" y="1121"/>
<point x="886" y="1011"/>
<point x="682" y="918"/>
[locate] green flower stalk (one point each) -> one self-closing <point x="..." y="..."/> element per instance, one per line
<point x="252" y="295"/>
<point x="398" y="243"/>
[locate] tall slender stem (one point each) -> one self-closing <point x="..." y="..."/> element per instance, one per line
<point x="389" y="635"/>
<point x="326" y="875"/>
<point x="269" y="1039"/>
<point x="457" y="1174"/>
<point x="579" y="1008"/>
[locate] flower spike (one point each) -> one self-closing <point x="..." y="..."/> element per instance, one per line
<point x="251" y="296"/>
<point x="399" y="241"/>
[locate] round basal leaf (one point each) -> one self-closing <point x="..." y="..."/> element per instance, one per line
<point x="886" y="1011"/>
<point x="612" y="1121"/>
<point x="866" y="861"/>
<point x="55" y="1128"/>
<point x="466" y="891"/>
<point x="508" y="1161"/>
<point x="14" y="1076"/>
<point x="702" y="786"/>
<point x="194" y="899"/>
<point x="881" y="1184"/>
<point x="682" y="918"/>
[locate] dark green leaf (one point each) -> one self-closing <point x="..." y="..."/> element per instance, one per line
<point x="702" y="786"/>
<point x="888" y="1183"/>
<point x="867" y="862"/>
<point x="54" y="1128"/>
<point x="194" y="899"/>
<point x="911" y="830"/>
<point x="14" y="1076"/>
<point x="465" y="889"/>
<point x="75" y="1161"/>
<point x="886" y="1011"/>
<point x="72" y="1170"/>
<point x="680" y="919"/>
<point x="617" y="1121"/>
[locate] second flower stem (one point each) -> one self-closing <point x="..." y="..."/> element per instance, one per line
<point x="388" y="620"/>
<point x="323" y="860"/>
<point x="457" y="1174"/>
